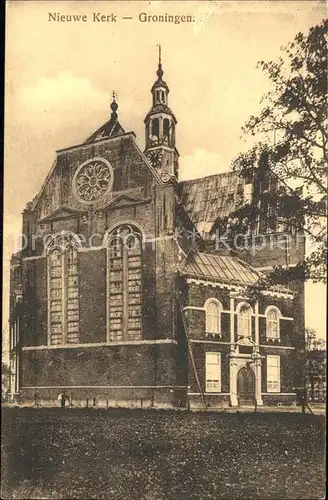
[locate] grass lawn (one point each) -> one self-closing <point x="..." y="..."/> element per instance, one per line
<point x="157" y="455"/>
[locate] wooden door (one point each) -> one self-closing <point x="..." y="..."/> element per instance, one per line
<point x="246" y="386"/>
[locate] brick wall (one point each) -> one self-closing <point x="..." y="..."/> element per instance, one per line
<point x="287" y="368"/>
<point x="146" y="365"/>
<point x="41" y="298"/>
<point x="120" y="365"/>
<point x="92" y="295"/>
<point x="129" y="168"/>
<point x="199" y="352"/>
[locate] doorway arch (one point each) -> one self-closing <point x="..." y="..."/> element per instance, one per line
<point x="246" y="386"/>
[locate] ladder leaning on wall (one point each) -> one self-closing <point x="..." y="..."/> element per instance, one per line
<point x="191" y="353"/>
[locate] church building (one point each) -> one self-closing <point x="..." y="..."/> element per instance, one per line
<point x="121" y="295"/>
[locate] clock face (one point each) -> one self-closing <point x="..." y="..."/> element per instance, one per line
<point x="165" y="177"/>
<point x="155" y="157"/>
<point x="92" y="180"/>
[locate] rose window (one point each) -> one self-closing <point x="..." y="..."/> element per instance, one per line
<point x="93" y="180"/>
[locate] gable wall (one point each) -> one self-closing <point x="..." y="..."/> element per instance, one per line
<point x="155" y="217"/>
<point x="130" y="173"/>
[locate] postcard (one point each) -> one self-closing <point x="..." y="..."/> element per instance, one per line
<point x="164" y="259"/>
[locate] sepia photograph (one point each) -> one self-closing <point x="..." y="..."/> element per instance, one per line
<point x="164" y="250"/>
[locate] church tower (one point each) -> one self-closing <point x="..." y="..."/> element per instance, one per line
<point x="160" y="128"/>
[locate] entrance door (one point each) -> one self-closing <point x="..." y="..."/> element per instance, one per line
<point x="246" y="386"/>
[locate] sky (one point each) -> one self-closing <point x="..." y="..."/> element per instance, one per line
<point x="59" y="77"/>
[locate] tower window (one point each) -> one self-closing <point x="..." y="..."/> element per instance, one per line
<point x="172" y="135"/>
<point x="155" y="127"/>
<point x="166" y="128"/>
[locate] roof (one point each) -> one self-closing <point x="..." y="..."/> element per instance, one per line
<point x="210" y="197"/>
<point x="111" y="128"/>
<point x="224" y="269"/>
<point x="160" y="108"/>
<point x="219" y="268"/>
<point x="160" y="83"/>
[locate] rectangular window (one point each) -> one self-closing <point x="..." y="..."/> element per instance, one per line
<point x="213" y="372"/>
<point x="273" y="373"/>
<point x="248" y="190"/>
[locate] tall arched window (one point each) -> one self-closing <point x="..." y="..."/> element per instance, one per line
<point x="213" y="310"/>
<point x="273" y="323"/>
<point x="166" y="130"/>
<point x="244" y="320"/>
<point x="155" y="128"/>
<point x="55" y="270"/>
<point x="72" y="296"/>
<point x="63" y="293"/>
<point x="124" y="284"/>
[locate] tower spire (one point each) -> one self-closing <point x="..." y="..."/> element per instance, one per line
<point x="160" y="71"/>
<point x="160" y="126"/>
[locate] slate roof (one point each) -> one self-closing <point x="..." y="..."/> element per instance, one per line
<point x="220" y="268"/>
<point x="207" y="198"/>
<point x="111" y="128"/>
<point x="160" y="108"/>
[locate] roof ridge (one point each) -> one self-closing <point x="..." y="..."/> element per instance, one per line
<point x="228" y="172"/>
<point x="108" y="127"/>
